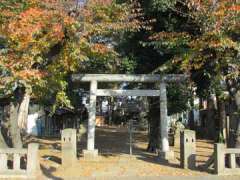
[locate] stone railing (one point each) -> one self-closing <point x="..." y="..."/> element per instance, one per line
<point x="221" y="152"/>
<point x="19" y="163"/>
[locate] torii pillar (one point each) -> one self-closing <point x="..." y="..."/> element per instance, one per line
<point x="164" y="153"/>
<point x="91" y="152"/>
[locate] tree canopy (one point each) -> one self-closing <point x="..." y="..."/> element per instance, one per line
<point x="44" y="41"/>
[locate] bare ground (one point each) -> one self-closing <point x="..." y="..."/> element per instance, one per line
<point x="114" y="159"/>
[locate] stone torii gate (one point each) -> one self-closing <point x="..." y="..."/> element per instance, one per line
<point x="161" y="80"/>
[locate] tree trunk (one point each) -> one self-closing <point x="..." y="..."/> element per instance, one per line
<point x="237" y="100"/>
<point x="222" y="119"/>
<point x="211" y="123"/>
<point x="154" y="124"/>
<point x="143" y="115"/>
<point x="14" y="129"/>
<point x="191" y="118"/>
<point x="201" y="104"/>
<point x="18" y="116"/>
<point x="237" y="139"/>
<point x="23" y="111"/>
<point x="2" y="141"/>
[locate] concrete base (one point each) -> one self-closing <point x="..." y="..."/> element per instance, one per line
<point x="90" y="154"/>
<point x="169" y="155"/>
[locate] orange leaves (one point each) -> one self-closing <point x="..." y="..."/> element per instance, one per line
<point x="22" y="28"/>
<point x="105" y="16"/>
<point x="57" y="31"/>
<point x="234" y="8"/>
<point x="20" y="68"/>
<point x="32" y="25"/>
<point x="30" y="74"/>
<point x="31" y="32"/>
<point x="214" y="15"/>
<point x="101" y="2"/>
<point x="54" y="36"/>
<point x="7" y="13"/>
<point x="100" y="48"/>
<point x="14" y="62"/>
<point x="67" y="20"/>
<point x="31" y="13"/>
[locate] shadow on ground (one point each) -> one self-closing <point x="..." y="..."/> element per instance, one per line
<point x="48" y="172"/>
<point x="114" y="142"/>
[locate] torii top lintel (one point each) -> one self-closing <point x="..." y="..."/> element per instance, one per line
<point x="129" y="78"/>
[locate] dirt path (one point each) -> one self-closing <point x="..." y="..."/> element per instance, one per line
<point x="114" y="159"/>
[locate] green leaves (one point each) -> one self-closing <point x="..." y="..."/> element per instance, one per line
<point x="128" y="64"/>
<point x="178" y="97"/>
<point x="173" y="42"/>
<point x="163" y="5"/>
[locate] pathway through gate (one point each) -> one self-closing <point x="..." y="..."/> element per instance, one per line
<point x="114" y="141"/>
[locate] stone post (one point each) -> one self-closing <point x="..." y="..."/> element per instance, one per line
<point x="69" y="147"/>
<point x="33" y="165"/>
<point x="16" y="161"/>
<point x="232" y="161"/>
<point x="188" y="149"/>
<point x="3" y="160"/>
<point x="91" y="152"/>
<point x="219" y="159"/>
<point x="82" y="132"/>
<point x="165" y="152"/>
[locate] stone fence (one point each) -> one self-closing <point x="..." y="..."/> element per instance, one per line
<point x="69" y="147"/>
<point x="19" y="163"/>
<point x="221" y="152"/>
<point x="188" y="149"/>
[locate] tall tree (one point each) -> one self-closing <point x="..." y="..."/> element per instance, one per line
<point x="45" y="41"/>
<point x="190" y="36"/>
<point x="151" y="56"/>
<point x="214" y="53"/>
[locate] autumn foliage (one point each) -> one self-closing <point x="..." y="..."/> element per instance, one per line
<point x="45" y="40"/>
